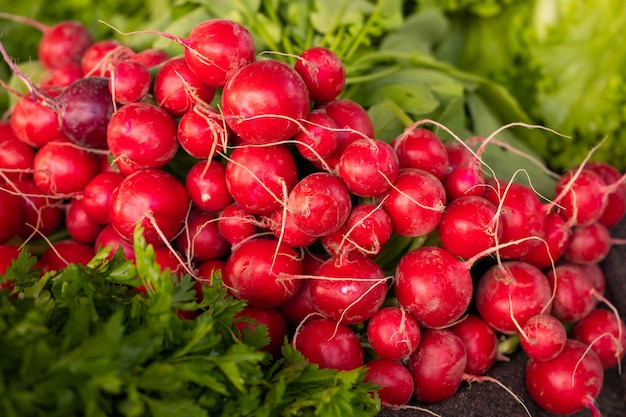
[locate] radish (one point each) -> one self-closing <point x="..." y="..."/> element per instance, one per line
<point x="589" y="244"/>
<point x="33" y="123"/>
<point x="574" y="296"/>
<point x="543" y="337"/>
<point x="480" y="341"/>
<point x="393" y="333"/>
<point x="323" y="73"/>
<point x="201" y="131"/>
<point x="581" y="196"/>
<point x="40" y="212"/>
<point x="423" y="149"/>
<point x="595" y="276"/>
<point x="281" y="223"/>
<point x="605" y="333"/>
<point x="167" y="258"/>
<point x="97" y="59"/>
<point x="270" y="317"/>
<point x="63" y="253"/>
<point x="79" y="225"/>
<point x="16" y="158"/>
<point x="129" y="81"/>
<point x="556" y="238"/>
<point x="263" y="272"/>
<point x="568" y="383"/>
<point x="206" y="185"/>
<point x="201" y="240"/>
<point x="237" y="224"/>
<point x="300" y="307"/>
<point x="10" y="215"/>
<point x="109" y="238"/>
<point x="152" y="198"/>
<point x="8" y="253"/>
<point x="616" y="203"/>
<point x="151" y="57"/>
<point x="329" y="345"/>
<point x="63" y="76"/>
<point x="97" y="195"/>
<point x="395" y="382"/>
<point x="319" y="136"/>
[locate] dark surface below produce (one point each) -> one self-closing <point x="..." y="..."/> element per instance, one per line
<point x="488" y="399"/>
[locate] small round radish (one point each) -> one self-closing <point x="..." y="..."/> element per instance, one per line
<point x="589" y="244"/>
<point x="64" y="42"/>
<point x="437" y="365"/>
<point x="480" y="341"/>
<point x="10" y="215"/>
<point x="574" y="296"/>
<point x="616" y="204"/>
<point x="282" y="224"/>
<point x="206" y="184"/>
<point x="34" y="123"/>
<point x="63" y="253"/>
<point x="166" y="258"/>
<point x="236" y="223"/>
<point x="129" y="81"/>
<point x="605" y="333"/>
<point x="433" y="285"/>
<point x="543" y="337"/>
<point x="556" y="238"/>
<point x="423" y="149"/>
<point x="201" y="131"/>
<point x="16" y="158"/>
<point x="300" y="307"/>
<point x="79" y="225"/>
<point x="318" y="137"/>
<point x="262" y="272"/>
<point x="40" y="212"/>
<point x="8" y="253"/>
<point x="567" y="384"/>
<point x="62" y="76"/>
<point x="108" y="237"/>
<point x="207" y="271"/>
<point x="329" y="345"/>
<point x="595" y="276"/>
<point x="393" y="333"/>
<point x="99" y="55"/>
<point x="394" y="380"/>
<point x="459" y="155"/>
<point x="415" y="202"/>
<point x="263" y="101"/>
<point x="271" y="318"/>
<point x="323" y="72"/>
<point x="97" y="195"/>
<point x="151" y="57"/>
<point x="464" y="181"/>
<point x="201" y="240"/>
<point x="152" y="198"/>
<point x="583" y="198"/>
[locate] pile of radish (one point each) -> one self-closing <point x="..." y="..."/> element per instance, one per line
<point x="407" y="257"/>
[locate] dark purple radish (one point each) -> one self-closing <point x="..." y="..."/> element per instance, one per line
<point x="282" y="224"/>
<point x="206" y="185"/>
<point x="567" y="384"/>
<point x="41" y="212"/>
<point x="480" y="341"/>
<point x="263" y="102"/>
<point x="237" y="224"/>
<point x="368" y="167"/>
<point x="574" y="296"/>
<point x="394" y="380"/>
<point x="10" y="215"/>
<point x="589" y="244"/>
<point x="581" y="196"/>
<point x="318" y="137"/>
<point x="263" y="272"/>
<point x="393" y="333"/>
<point x="152" y="198"/>
<point x="616" y="204"/>
<point x="129" y="81"/>
<point x="423" y="149"/>
<point x="349" y="289"/>
<point x="437" y="365"/>
<point x="201" y="240"/>
<point x="34" y="123"/>
<point x="79" y="225"/>
<point x="415" y="202"/>
<point x="16" y="159"/>
<point x="469" y="225"/>
<point x="329" y="344"/>
<point x="511" y="293"/>
<point x="61" y="167"/>
<point x="176" y="88"/>
<point x="63" y="253"/>
<point x="433" y="285"/>
<point x="100" y="55"/>
<point x="556" y="238"/>
<point x="109" y="238"/>
<point x="323" y="72"/>
<point x="543" y="337"/>
<point x="605" y="333"/>
<point x="142" y="136"/>
<point x="202" y="132"/>
<point x="97" y="195"/>
<point x="259" y="178"/>
<point x="320" y="203"/>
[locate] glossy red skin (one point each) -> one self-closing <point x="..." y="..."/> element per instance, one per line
<point x="319" y="137"/>
<point x="394" y="379"/>
<point x="595" y="276"/>
<point x="109" y="237"/>
<point x="60" y="167"/>
<point x="206" y="185"/>
<point x="201" y="240"/>
<point x="423" y="149"/>
<point x="605" y="333"/>
<point x="251" y="170"/>
<point x="205" y="271"/>
<point x="265" y="88"/>
<point x="263" y="272"/>
<point x="34" y="123"/>
<point x="393" y="333"/>
<point x="65" y="252"/>
<point x="300" y="306"/>
<point x="574" y="297"/>
<point x="437" y="365"/>
<point x="323" y="72"/>
<point x="433" y="285"/>
<point x="458" y="155"/>
<point x="151" y="57"/>
<point x="368" y="167"/>
<point x="469" y="226"/>
<point x="568" y="383"/>
<point x="40" y="212"/>
<point x="146" y="192"/>
<point x="415" y="203"/>
<point x="515" y="283"/>
<point x="176" y="88"/>
<point x="16" y="159"/>
<point x="10" y="215"/>
<point x="320" y="203"/>
<point x="217" y="48"/>
<point x="62" y="76"/>
<point x="329" y="344"/>
<point x="79" y="224"/>
<point x="64" y="43"/>
<point x="96" y="195"/>
<point x="236" y="223"/>
<point x="585" y="201"/>
<point x="100" y="54"/>
<point x="464" y="181"/>
<point x="616" y="204"/>
<point x="588" y="244"/>
<point x="556" y="233"/>
<point x="202" y="132"/>
<point x="270" y="317"/>
<point x="8" y="253"/>
<point x="354" y="299"/>
<point x="544" y="337"/>
<point x="282" y="224"/>
<point x="142" y="136"/>
<point x="480" y="341"/>
<point x="129" y="81"/>
<point x="166" y="258"/>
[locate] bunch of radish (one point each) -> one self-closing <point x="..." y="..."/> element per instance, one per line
<point x="289" y="195"/>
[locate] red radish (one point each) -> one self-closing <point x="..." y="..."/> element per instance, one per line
<point x="152" y="198"/>
<point x="61" y="77"/>
<point x="595" y="276"/>
<point x="357" y="296"/>
<point x="100" y="54"/>
<point x="589" y="244"/>
<point x="458" y="153"/>
<point x="469" y="225"/>
<point x="320" y="203"/>
<point x="129" y="81"/>
<point x="264" y="101"/>
<point x="423" y="149"/>
<point x="40" y="212"/>
<point x="605" y="332"/>
<point x="79" y="225"/>
<point x="166" y="258"/>
<point x="142" y="136"/>
<point x="201" y="131"/>
<point x="271" y="318"/>
<point x="543" y="337"/>
<point x="329" y="344"/>
<point x="480" y="341"/>
<point x="282" y="224"/>
<point x="323" y="72"/>
<point x="512" y="292"/>
<point x="433" y="285"/>
<point x="415" y="202"/>
<point x="393" y="333"/>
<point x="581" y="196"/>
<point x="63" y="253"/>
<point x="319" y="137"/>
<point x="259" y="178"/>
<point x="236" y="223"/>
<point x="151" y="57"/>
<point x="61" y="167"/>
<point x="556" y="238"/>
<point x="10" y="215"/>
<point x="97" y="195"/>
<point x="368" y="167"/>
<point x="108" y="237"/>
<point x="34" y="123"/>
<point x="574" y="296"/>
<point x="8" y="253"/>
<point x="16" y="159"/>
<point x="263" y="272"/>
<point x="300" y="307"/>
<point x="616" y="204"/>
<point x="176" y="88"/>
<point x="437" y="365"/>
<point x="206" y="184"/>
<point x="206" y="272"/>
<point x="464" y="181"/>
<point x="201" y="240"/>
<point x="394" y="380"/>
<point x="567" y="384"/>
